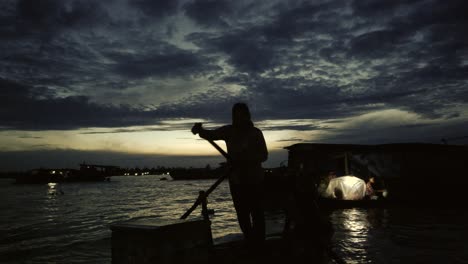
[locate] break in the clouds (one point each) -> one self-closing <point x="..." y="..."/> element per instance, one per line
<point x="119" y="64"/>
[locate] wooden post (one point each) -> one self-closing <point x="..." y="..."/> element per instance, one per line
<point x="346" y="163"/>
<point x="204" y="202"/>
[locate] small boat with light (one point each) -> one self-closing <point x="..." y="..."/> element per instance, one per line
<point x="414" y="174"/>
<point x="87" y="172"/>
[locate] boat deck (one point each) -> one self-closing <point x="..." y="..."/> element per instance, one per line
<point x="149" y="240"/>
<point x="274" y="250"/>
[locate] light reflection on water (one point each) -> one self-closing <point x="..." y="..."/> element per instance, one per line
<point x="401" y="235"/>
<point x="37" y="227"/>
<point x="352" y="236"/>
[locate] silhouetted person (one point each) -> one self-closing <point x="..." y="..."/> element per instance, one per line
<point x="247" y="150"/>
<point x="370" y="192"/>
<point x="307" y="227"/>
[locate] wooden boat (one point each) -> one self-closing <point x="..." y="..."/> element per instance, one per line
<point x="412" y="173"/>
<point x="146" y="240"/>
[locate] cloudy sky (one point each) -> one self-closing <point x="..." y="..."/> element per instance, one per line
<point x="122" y="81"/>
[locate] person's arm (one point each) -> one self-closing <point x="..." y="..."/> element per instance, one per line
<point x="215" y="134"/>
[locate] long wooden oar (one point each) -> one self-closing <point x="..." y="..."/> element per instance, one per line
<point x="211" y="189"/>
<point x="220" y="149"/>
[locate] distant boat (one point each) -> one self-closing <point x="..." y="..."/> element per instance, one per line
<point x="194" y="174"/>
<point x="87" y="172"/>
<point x="93" y="172"/>
<point x="41" y="176"/>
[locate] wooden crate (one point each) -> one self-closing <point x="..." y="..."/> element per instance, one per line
<point x="152" y="240"/>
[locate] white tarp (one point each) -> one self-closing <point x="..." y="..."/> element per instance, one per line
<point x="346" y="188"/>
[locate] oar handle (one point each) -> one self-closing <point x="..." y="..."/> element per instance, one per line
<point x="220" y="149"/>
<point x="218" y="181"/>
<point x="197" y="128"/>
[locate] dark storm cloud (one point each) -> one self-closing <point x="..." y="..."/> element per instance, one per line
<point x="268" y="99"/>
<point x="356" y="68"/>
<point x="24" y="108"/>
<point x="440" y="50"/>
<point x="161" y="127"/>
<point x="213" y="104"/>
<point x="425" y="90"/>
<point x="30" y="137"/>
<point x="156" y="9"/>
<point x="369" y="8"/>
<point x="423" y="132"/>
<point x="256" y="48"/>
<point x="173" y="62"/>
<point x="50" y="16"/>
<point x="292" y="99"/>
<point x="261" y="49"/>
<point x="429" y="13"/>
<point x="246" y="53"/>
<point x="376" y="43"/>
<point x="439" y="22"/>
<point x="39" y="108"/>
<point x="295" y="59"/>
<point x="310" y="127"/>
<point x="297" y="140"/>
<point x="208" y="12"/>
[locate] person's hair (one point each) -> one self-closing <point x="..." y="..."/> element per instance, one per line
<point x="241" y="115"/>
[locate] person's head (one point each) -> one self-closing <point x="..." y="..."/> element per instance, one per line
<point x="371" y="179"/>
<point x="241" y="115"/>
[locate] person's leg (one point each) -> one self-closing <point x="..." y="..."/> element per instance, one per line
<point x="257" y="211"/>
<point x="241" y="204"/>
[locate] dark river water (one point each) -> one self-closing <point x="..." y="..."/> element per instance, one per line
<point x="39" y="227"/>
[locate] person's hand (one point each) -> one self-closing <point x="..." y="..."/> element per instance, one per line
<point x="197" y="127"/>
